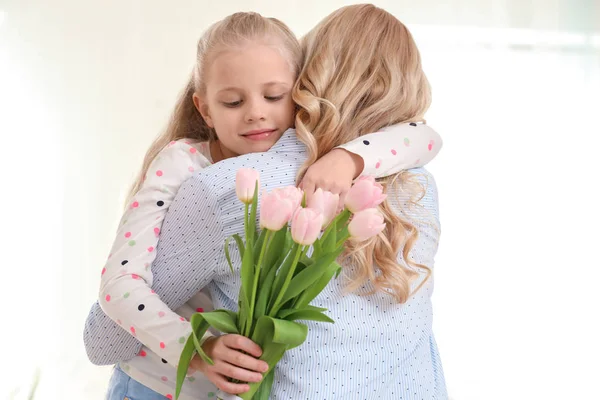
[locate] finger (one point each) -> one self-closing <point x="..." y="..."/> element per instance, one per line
<point x="309" y="189"/>
<point x="242" y="360"/>
<point x="196" y="364"/>
<point x="333" y="188"/>
<point x="241" y="374"/>
<point x="223" y="384"/>
<point x="242" y="343"/>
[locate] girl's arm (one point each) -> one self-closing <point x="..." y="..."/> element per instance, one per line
<point x="125" y="289"/>
<point x="380" y="154"/>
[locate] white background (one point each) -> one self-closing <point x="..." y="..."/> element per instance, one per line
<point x="85" y="86"/>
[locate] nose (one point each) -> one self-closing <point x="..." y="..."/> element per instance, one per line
<point x="255" y="111"/>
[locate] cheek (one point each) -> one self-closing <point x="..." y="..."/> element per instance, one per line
<point x="227" y="117"/>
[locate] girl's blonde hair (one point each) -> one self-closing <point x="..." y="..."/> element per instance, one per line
<point x="362" y="72"/>
<point x="233" y="32"/>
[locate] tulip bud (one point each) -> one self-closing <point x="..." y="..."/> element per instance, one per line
<point x="245" y="183"/>
<point x="326" y="203"/>
<point x="365" y="193"/>
<point x="365" y="224"/>
<point x="306" y="226"/>
<point x="275" y="210"/>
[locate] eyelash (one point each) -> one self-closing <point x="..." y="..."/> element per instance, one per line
<point x="234" y="104"/>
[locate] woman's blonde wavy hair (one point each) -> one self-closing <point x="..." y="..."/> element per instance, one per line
<point x="362" y="72"/>
<point x="232" y="32"/>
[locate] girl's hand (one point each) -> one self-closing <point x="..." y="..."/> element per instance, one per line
<point x="333" y="172"/>
<point x="227" y="353"/>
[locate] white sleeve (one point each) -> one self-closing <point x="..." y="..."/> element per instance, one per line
<point x="125" y="289"/>
<point x="396" y="148"/>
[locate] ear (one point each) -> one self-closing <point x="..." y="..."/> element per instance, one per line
<point x="202" y="107"/>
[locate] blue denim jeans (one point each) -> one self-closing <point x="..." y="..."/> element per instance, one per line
<point x="122" y="387"/>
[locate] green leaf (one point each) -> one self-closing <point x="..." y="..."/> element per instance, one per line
<point x="328" y="243"/>
<point x="243" y="311"/>
<point x="247" y="276"/>
<point x="282" y="273"/>
<point x="309" y="276"/>
<point x="285" y="312"/>
<point x="184" y="362"/>
<point x="306" y="315"/>
<point x="337" y="271"/>
<point x="283" y="253"/>
<point x="240" y="245"/>
<point x="264" y="390"/>
<point x="227" y="254"/>
<point x="342" y="236"/>
<point x="274" y="250"/>
<point x="313" y="291"/>
<point x="258" y="244"/>
<point x="344" y="216"/>
<point x="199" y="328"/>
<point x="222" y="320"/>
<point x="264" y="293"/>
<point x="280" y="331"/>
<point x="299" y="268"/>
<point x="289" y="242"/>
<point x="317" y="248"/>
<point x="306" y="260"/>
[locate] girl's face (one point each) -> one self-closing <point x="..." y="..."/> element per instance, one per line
<point x="248" y="98"/>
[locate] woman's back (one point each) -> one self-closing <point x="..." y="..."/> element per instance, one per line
<point x="377" y="348"/>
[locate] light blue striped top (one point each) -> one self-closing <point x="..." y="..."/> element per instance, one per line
<point x="377" y="349"/>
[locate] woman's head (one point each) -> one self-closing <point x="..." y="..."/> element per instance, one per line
<point x="240" y="88"/>
<point x="362" y="71"/>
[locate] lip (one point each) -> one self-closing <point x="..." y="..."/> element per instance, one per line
<point x="258" y="134"/>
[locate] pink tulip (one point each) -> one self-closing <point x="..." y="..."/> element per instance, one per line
<point x="365" y="193"/>
<point x="275" y="210"/>
<point x="292" y="193"/>
<point x="366" y="223"/>
<point x="306" y="226"/>
<point x="326" y="203"/>
<point x="245" y="182"/>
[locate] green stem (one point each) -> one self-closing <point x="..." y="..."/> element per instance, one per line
<point x="246" y="221"/>
<point x="288" y="278"/>
<point x="341" y="241"/>
<point x="250" y="324"/>
<point x="337" y="219"/>
<point x="344" y="236"/>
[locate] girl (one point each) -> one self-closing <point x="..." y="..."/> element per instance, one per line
<point x="238" y="101"/>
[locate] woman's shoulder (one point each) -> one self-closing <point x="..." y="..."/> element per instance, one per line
<point x="414" y="194"/>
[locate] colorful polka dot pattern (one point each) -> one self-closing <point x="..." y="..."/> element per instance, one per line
<point x="393" y="150"/>
<point x="127" y="276"/>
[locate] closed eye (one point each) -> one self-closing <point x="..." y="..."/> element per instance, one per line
<point x="274" y="98"/>
<point x="232" y="104"/>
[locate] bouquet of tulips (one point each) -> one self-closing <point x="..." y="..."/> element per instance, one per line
<point x="279" y="278"/>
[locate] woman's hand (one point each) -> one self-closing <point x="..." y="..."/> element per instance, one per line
<point x="230" y="361"/>
<point x="334" y="172"/>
